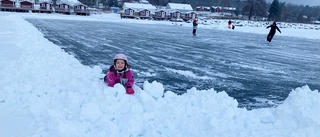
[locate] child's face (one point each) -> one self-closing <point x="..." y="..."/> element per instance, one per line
<point x="120" y="64"/>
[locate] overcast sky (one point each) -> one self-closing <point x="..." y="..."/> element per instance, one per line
<point x="304" y="2"/>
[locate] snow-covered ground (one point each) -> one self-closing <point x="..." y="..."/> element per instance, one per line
<point x="47" y="92"/>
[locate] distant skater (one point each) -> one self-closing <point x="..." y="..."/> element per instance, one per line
<point x="195" y="24"/>
<point x="272" y="31"/>
<point x="229" y="24"/>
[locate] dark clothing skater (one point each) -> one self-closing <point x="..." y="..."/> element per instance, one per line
<point x="272" y="31"/>
<point x="195" y="24"/>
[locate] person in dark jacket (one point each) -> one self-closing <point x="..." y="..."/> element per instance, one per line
<point x="272" y="31"/>
<point x="195" y="24"/>
<point x="229" y="24"/>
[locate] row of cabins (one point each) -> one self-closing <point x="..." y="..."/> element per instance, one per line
<point x="158" y="15"/>
<point x="216" y="9"/>
<point x="173" y="11"/>
<point x="43" y="7"/>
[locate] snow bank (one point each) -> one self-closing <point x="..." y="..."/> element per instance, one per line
<point x="47" y="92"/>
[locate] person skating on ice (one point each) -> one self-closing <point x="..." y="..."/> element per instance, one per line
<point x="195" y="24"/>
<point x="272" y="31"/>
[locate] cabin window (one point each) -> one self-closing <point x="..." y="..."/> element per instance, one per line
<point x="143" y="13"/>
<point x="127" y="12"/>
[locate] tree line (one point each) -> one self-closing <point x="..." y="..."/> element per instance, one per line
<point x="250" y="9"/>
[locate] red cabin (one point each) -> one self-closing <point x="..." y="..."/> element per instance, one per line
<point x="7" y="4"/>
<point x="26" y="5"/>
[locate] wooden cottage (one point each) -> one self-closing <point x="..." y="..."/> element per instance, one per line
<point x="141" y="10"/>
<point x="230" y="10"/>
<point x="175" y="15"/>
<point x="7" y="5"/>
<point x="202" y="8"/>
<point x="216" y="9"/>
<point x="81" y="9"/>
<point x="160" y="15"/>
<point x="26" y="5"/>
<point x="145" y="14"/>
<point x="190" y="15"/>
<point x="179" y="7"/>
<point x="128" y="13"/>
<point x="63" y="8"/>
<point x="45" y="7"/>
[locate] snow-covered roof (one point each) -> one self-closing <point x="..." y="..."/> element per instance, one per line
<point x="45" y="2"/>
<point x="26" y="1"/>
<point x="318" y="22"/>
<point x="161" y="7"/>
<point x="144" y="1"/>
<point x="178" y="6"/>
<point x="127" y="5"/>
<point x="191" y="12"/>
<point x="225" y="8"/>
<point x="161" y="10"/>
<point x="205" y="7"/>
<point x="216" y="7"/>
<point x="71" y="2"/>
<point x="229" y="8"/>
<point x="31" y="1"/>
<point x="79" y="4"/>
<point x="41" y="1"/>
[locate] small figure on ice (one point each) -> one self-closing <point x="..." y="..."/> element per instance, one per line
<point x="272" y="31"/>
<point x="229" y="24"/>
<point x="195" y="24"/>
<point x="120" y="72"/>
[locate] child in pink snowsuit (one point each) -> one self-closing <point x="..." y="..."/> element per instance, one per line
<point x="120" y="72"/>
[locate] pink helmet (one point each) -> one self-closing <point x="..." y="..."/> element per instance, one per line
<point x="120" y="56"/>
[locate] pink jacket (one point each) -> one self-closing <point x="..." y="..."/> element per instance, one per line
<point x="112" y="78"/>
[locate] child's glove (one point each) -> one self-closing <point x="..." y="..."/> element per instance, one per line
<point x="130" y="91"/>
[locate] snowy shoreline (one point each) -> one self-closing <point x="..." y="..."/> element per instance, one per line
<point x="46" y="92"/>
<point x="258" y="27"/>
